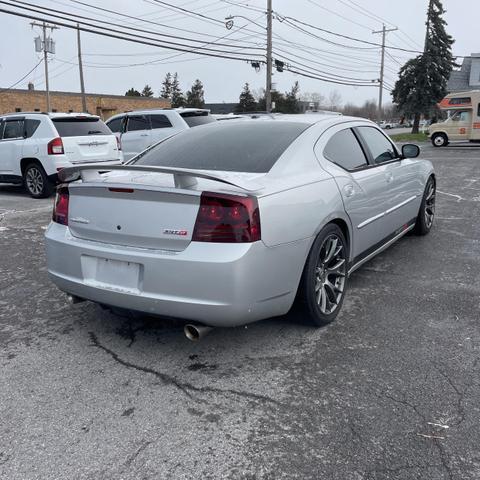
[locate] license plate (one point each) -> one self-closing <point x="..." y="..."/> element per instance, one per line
<point x="111" y="274"/>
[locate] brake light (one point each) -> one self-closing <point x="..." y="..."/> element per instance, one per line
<point x="60" y="208"/>
<point x="55" y="147"/>
<point x="227" y="219"/>
<point x="119" y="144"/>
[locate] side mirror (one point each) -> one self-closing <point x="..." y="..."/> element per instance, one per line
<point x="410" y="151"/>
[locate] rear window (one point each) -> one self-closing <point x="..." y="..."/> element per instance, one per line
<point x="248" y="146"/>
<point x="194" y="119"/>
<point x="80" y="127"/>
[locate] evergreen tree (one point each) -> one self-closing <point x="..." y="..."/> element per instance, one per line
<point x="147" y="91"/>
<point x="167" y="87"/>
<point x="177" y="97"/>
<point x="246" y="101"/>
<point x="291" y="104"/>
<point x="132" y="93"/>
<point x="195" y="96"/>
<point x="423" y="80"/>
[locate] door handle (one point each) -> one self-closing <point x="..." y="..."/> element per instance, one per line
<point x="144" y="134"/>
<point x="389" y="176"/>
<point x="349" y="190"/>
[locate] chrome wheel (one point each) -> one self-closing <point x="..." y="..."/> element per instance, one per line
<point x="330" y="274"/>
<point x="429" y="212"/>
<point x="34" y="181"/>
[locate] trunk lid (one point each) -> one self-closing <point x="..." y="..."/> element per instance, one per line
<point x="136" y="216"/>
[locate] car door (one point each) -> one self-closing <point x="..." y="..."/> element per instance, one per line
<point x="460" y="125"/>
<point x="363" y="188"/>
<point x="11" y="146"/>
<point x="403" y="186"/>
<point x="136" y="137"/>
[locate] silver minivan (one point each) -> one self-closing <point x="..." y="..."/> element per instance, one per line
<point x="139" y="129"/>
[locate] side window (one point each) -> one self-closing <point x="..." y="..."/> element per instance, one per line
<point x="344" y="150"/>
<point x="380" y="147"/>
<point x="115" y="125"/>
<point x="13" y="129"/>
<point x="160" y="121"/>
<point x="2" y="124"/>
<point x="137" y="122"/>
<point x="30" y="127"/>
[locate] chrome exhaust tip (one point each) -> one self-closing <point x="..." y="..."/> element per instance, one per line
<point x="195" y="332"/>
<point x="73" y="299"/>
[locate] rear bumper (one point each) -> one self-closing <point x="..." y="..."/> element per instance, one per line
<point x="53" y="168"/>
<point x="216" y="284"/>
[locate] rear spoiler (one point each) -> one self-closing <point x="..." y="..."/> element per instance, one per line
<point x="183" y="177"/>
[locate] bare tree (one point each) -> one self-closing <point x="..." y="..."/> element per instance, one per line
<point x="334" y="100"/>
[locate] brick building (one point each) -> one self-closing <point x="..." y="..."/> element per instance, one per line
<point x="16" y="100"/>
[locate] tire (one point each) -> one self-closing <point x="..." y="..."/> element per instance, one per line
<point x="426" y="214"/>
<point x="320" y="293"/>
<point x="439" y="140"/>
<point x="36" y="181"/>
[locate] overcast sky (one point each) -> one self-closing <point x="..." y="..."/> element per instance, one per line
<point x="223" y="79"/>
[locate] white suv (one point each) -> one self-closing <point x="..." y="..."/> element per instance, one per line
<point x="139" y="129"/>
<point x="35" y="146"/>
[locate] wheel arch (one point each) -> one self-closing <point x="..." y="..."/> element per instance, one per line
<point x="24" y="162"/>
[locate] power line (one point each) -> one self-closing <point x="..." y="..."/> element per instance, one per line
<point x="131" y="38"/>
<point x="339" y="15"/>
<point x="366" y="42"/>
<point x="23" y="78"/>
<point x="76" y="17"/>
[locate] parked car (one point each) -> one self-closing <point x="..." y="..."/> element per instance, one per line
<point x="229" y="223"/>
<point x="139" y="129"/>
<point x="34" y="147"/>
<point x="386" y="125"/>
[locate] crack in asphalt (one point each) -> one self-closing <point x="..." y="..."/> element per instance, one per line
<point x="139" y="450"/>
<point x="184" y="387"/>
<point x="436" y="442"/>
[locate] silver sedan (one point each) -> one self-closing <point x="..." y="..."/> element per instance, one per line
<point x="232" y="222"/>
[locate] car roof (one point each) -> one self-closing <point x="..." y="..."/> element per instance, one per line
<point x="49" y="114"/>
<point x="147" y="111"/>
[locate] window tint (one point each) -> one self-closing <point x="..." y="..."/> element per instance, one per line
<point x="80" y="127"/>
<point x="13" y="129"/>
<point x="159" y="121"/>
<point x="30" y="127"/>
<point x="380" y="147"/>
<point x="460" y="101"/>
<point x="194" y="119"/>
<point x="344" y="150"/>
<point x="226" y="146"/>
<point x="115" y="125"/>
<point x="2" y="124"/>
<point x="461" y="117"/>
<point x="137" y="122"/>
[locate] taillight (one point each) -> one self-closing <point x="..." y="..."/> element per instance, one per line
<point x="227" y="219"/>
<point x="119" y="143"/>
<point x="55" y="147"/>
<point x="60" y="208"/>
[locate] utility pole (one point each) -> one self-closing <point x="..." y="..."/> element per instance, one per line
<point x="48" y="47"/>
<point x="82" y="84"/>
<point x="384" y="32"/>
<point x="268" y="87"/>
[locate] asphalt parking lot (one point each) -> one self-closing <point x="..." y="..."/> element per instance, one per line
<point x="391" y="390"/>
